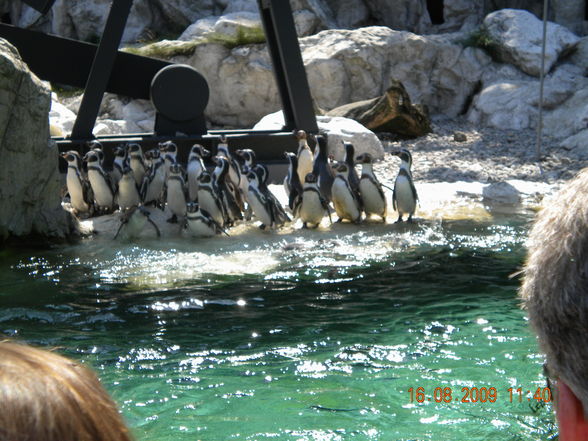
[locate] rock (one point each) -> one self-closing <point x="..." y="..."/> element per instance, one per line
<point x="514" y="104"/>
<point x="460" y="137"/>
<point x="347" y="66"/>
<point x="518" y="35"/>
<point x="229" y="25"/>
<point x="338" y="130"/>
<point x="501" y="193"/>
<point x="139" y="116"/>
<point x="410" y="15"/>
<point x="577" y="144"/>
<point x="349" y="14"/>
<point x="61" y="117"/>
<point x="571" y="14"/>
<point x="29" y="176"/>
<point x="580" y="55"/>
<point x="392" y="112"/>
<point x="464" y="15"/>
<point x="569" y="118"/>
<point x="306" y="22"/>
<point x="241" y="6"/>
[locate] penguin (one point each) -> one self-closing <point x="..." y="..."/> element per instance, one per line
<point x="199" y="222"/>
<point x="292" y="182"/>
<point x="234" y="173"/>
<point x="311" y="207"/>
<point x="127" y="194"/>
<point x="169" y="151"/>
<point x="176" y="193"/>
<point x="133" y="220"/>
<point x="322" y="168"/>
<point x="209" y="199"/>
<point x="278" y="211"/>
<point x="137" y="162"/>
<point x="153" y="185"/>
<point x="260" y="203"/>
<point x="195" y="169"/>
<point x="96" y="146"/>
<point x="344" y="198"/>
<point x="100" y="183"/>
<point x="78" y="187"/>
<point x="404" y="196"/>
<point x="304" y="155"/>
<point x="370" y="189"/>
<point x="246" y="163"/>
<point x="228" y="194"/>
<point x="120" y="159"/>
<point x="349" y="159"/>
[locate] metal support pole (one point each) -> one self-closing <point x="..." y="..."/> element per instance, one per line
<point x="101" y="69"/>
<point x="541" y="83"/>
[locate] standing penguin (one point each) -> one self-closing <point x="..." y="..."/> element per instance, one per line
<point x="224" y="186"/>
<point x="370" y="189"/>
<point x="322" y="168"/>
<point x="169" y="151"/>
<point x="127" y="195"/>
<point x="404" y="197"/>
<point x="137" y="162"/>
<point x="345" y="200"/>
<point x="153" y="186"/>
<point x="292" y="182"/>
<point x="120" y="159"/>
<point x="210" y="200"/>
<point x="176" y="193"/>
<point x="199" y="222"/>
<point x="311" y="207"/>
<point x="100" y="183"/>
<point x="195" y="169"/>
<point x="350" y="161"/>
<point x="234" y="173"/>
<point x="96" y="146"/>
<point x="278" y="211"/>
<point x="304" y="155"/>
<point x="78" y="187"/>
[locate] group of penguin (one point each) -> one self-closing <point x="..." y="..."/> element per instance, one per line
<point x="236" y="189"/>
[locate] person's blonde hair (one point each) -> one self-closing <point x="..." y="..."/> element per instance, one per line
<point x="555" y="285"/>
<point x="47" y="397"/>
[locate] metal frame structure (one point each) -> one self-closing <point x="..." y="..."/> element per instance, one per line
<point x="103" y="68"/>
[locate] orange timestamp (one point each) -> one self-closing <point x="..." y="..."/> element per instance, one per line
<point x="477" y="395"/>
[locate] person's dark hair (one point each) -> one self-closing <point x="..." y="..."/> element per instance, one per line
<point x="555" y="285"/>
<point x="47" y="397"/>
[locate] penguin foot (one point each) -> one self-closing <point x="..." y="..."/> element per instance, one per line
<point x="304" y="226"/>
<point x="173" y="219"/>
<point x="399" y="219"/>
<point x="338" y="221"/>
<point x="409" y="220"/>
<point x="262" y="227"/>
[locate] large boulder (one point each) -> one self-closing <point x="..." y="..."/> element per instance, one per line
<point x="518" y="39"/>
<point x="338" y="131"/>
<point x="30" y="183"/>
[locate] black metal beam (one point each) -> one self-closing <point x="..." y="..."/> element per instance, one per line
<point x="280" y="31"/>
<point x="68" y="62"/>
<point x="101" y="69"/>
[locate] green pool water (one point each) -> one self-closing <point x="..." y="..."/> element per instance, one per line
<point x="314" y="335"/>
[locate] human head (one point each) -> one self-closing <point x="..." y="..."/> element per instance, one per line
<point x="47" y="397"/>
<point x="555" y="293"/>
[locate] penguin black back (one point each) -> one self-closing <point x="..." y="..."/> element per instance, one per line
<point x="322" y="168"/>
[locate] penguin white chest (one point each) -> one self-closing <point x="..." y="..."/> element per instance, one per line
<point x="311" y="210"/>
<point x="138" y="170"/>
<point x="76" y="191"/>
<point x="128" y="195"/>
<point x="176" y="200"/>
<point x="198" y="227"/>
<point x="344" y="202"/>
<point x="373" y="201"/>
<point x="209" y="203"/>
<point x="405" y="199"/>
<point x="102" y="191"/>
<point x="304" y="164"/>
<point x="194" y="172"/>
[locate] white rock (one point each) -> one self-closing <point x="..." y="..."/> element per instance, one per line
<point x="569" y="118"/>
<point x="110" y="127"/>
<point x="306" y="22"/>
<point x="338" y="130"/>
<point x="501" y="193"/>
<point x="241" y="5"/>
<point x="349" y="13"/>
<point x="139" y="116"/>
<point x="228" y="25"/>
<point x="519" y="34"/>
<point x="580" y="55"/>
<point x="60" y="116"/>
<point x="410" y="15"/>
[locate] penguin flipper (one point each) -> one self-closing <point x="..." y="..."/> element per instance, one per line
<point x="394" y="198"/>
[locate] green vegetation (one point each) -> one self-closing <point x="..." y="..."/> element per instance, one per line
<point x="63" y="91"/>
<point x="482" y="39"/>
<point x="167" y="49"/>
